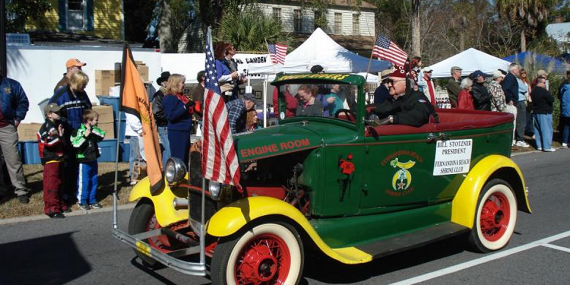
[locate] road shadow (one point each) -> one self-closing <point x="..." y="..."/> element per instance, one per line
<point x="326" y="270"/>
<point x="48" y="260"/>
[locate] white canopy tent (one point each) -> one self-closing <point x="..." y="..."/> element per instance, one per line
<point x="469" y="60"/>
<point x="320" y="49"/>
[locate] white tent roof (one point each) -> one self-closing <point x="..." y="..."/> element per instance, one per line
<point x="469" y="60"/>
<point x="320" y="49"/>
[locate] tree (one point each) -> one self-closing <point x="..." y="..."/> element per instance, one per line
<point x="138" y="15"/>
<point x="21" y="11"/>
<point x="249" y="30"/>
<point x="415" y="23"/>
<point x="529" y="16"/>
<point x="173" y="17"/>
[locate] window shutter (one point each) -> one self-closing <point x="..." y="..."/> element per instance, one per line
<point x="62" y="13"/>
<point x="89" y="15"/>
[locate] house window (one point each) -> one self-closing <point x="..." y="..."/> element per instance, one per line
<point x="355" y="24"/>
<point x="338" y="23"/>
<point x="75" y="12"/>
<point x="277" y="14"/>
<point x="298" y="21"/>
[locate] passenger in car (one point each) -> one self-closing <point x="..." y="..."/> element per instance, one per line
<point x="308" y="105"/>
<point x="405" y="106"/>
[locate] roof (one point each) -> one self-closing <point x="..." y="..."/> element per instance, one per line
<point x="326" y="77"/>
<point x="559" y="31"/>
<point x="539" y="61"/>
<point x="469" y="60"/>
<point x="338" y="3"/>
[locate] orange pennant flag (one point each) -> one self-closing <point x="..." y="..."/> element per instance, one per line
<point x="135" y="100"/>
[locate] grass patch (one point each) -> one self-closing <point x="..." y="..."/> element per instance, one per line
<point x="10" y="207"/>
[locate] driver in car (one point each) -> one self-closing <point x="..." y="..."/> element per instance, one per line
<point x="405" y="105"/>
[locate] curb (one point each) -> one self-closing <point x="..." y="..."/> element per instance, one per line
<point x="78" y="212"/>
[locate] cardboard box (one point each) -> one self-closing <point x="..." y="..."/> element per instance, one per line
<point x="108" y="128"/>
<point x="143" y="70"/>
<point x="105" y="79"/>
<point x="27" y="132"/>
<point x="106" y="114"/>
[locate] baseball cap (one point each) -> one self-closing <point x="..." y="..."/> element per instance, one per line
<point x="248" y="96"/>
<point x="497" y="74"/>
<point x="541" y="72"/>
<point x="478" y="73"/>
<point x="74" y="62"/>
<point x="427" y="69"/>
<point x="454" y="68"/>
<point x="51" y="107"/>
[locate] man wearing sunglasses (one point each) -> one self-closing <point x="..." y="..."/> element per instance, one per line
<point x="405" y="105"/>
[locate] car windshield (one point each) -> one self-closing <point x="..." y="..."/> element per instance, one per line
<point x="322" y="100"/>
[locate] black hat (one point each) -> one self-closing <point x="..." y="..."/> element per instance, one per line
<point x="317" y="69"/>
<point x="163" y="77"/>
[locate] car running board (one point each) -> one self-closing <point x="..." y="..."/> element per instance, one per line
<point x="412" y="240"/>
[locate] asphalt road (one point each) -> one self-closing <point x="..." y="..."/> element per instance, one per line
<point x="81" y="250"/>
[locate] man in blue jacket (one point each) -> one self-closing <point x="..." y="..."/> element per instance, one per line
<point x="511" y="89"/>
<point x="13" y="108"/>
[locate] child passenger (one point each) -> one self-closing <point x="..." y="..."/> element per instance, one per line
<point x="85" y="141"/>
<point x="51" y="149"/>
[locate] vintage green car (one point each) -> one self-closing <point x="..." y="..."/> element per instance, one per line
<point x="336" y="182"/>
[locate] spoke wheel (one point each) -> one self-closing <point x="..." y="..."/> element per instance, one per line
<point x="143" y="219"/>
<point x="265" y="254"/>
<point x="496" y="217"/>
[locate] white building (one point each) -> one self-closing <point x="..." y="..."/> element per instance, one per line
<point x="342" y="18"/>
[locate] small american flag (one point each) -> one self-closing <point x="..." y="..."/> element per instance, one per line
<point x="219" y="159"/>
<point x="277" y="52"/>
<point x="386" y="49"/>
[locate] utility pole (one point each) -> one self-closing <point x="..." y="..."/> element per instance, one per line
<point x="3" y="65"/>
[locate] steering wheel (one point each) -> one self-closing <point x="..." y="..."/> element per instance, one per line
<point x="349" y="115"/>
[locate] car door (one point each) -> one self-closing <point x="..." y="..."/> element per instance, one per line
<point x="399" y="170"/>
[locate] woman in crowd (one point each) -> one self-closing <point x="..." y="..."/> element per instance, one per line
<point x="178" y="110"/>
<point x="251" y="121"/>
<point x="498" y="103"/>
<point x="226" y="69"/>
<point x="308" y="105"/>
<point x="465" y="100"/>
<point x="529" y="117"/>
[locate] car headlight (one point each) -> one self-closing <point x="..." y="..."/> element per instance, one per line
<point x="175" y="170"/>
<point x="215" y="189"/>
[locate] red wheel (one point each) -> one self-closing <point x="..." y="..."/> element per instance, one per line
<point x="495" y="218"/>
<point x="143" y="219"/>
<point x="266" y="254"/>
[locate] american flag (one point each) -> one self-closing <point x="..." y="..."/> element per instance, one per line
<point x="277" y="53"/>
<point x="386" y="49"/>
<point x="219" y="159"/>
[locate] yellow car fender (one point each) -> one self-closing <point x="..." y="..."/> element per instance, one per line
<point x="234" y="216"/>
<point x="164" y="209"/>
<point x="465" y="202"/>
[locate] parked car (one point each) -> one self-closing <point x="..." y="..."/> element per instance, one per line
<point x="340" y="184"/>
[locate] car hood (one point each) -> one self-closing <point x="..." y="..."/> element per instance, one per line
<point x="287" y="138"/>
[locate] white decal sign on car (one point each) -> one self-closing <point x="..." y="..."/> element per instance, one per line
<point x="452" y="157"/>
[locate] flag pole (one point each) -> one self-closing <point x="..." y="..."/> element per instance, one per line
<point x="118" y="135"/>
<point x="368" y="69"/>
